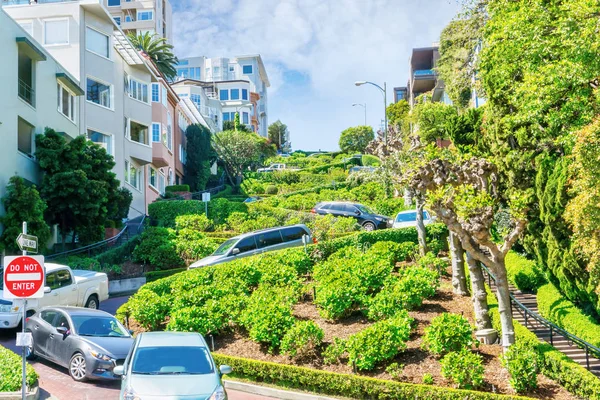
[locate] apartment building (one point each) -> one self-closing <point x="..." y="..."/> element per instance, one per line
<point x="37" y="92"/>
<point x="400" y="93"/>
<point x="116" y="111"/>
<point x="138" y="16"/>
<point x="240" y="84"/>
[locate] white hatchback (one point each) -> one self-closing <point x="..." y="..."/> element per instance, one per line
<point x="408" y="218"/>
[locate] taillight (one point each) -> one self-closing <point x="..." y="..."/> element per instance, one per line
<point x="26" y="319"/>
<point x="313" y="211"/>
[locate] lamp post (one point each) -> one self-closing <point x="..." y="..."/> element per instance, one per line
<point x="383" y="90"/>
<point x="363" y="106"/>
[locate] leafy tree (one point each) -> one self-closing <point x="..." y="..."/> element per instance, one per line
<point x="230" y="126"/>
<point x="22" y="203"/>
<point x="398" y="116"/>
<point x="464" y="130"/>
<point x="356" y="139"/>
<point x="118" y="208"/>
<point x="159" y="50"/>
<point x="200" y="155"/>
<point x="432" y="120"/>
<point x="278" y="134"/>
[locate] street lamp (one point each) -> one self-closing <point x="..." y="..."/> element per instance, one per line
<point x="383" y="90"/>
<point x="363" y="106"/>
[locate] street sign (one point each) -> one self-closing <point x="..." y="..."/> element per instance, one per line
<point x="23" y="277"/>
<point x="27" y="242"/>
<point x="206" y="197"/>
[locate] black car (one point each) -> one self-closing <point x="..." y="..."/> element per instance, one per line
<point x="366" y="217"/>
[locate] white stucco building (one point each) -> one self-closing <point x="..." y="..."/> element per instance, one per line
<point x="154" y="16"/>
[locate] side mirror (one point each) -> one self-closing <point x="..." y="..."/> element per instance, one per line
<point x="118" y="370"/>
<point x="62" y="330"/>
<point x="357" y="212"/>
<point x="225" y="369"/>
<point x="47" y="289"/>
<point x="235" y="252"/>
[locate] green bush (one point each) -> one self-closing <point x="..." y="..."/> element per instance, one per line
<point x="11" y="372"/>
<point x="177" y="188"/>
<point x="212" y="317"/>
<point x="271" y="189"/>
<point x="219" y="209"/>
<point x="523" y="273"/>
<point x="157" y="248"/>
<point x="427" y="379"/>
<point x="395" y="252"/>
<point x="370" y="161"/>
<point x="521" y="362"/>
<point x="163" y="213"/>
<point x="327" y="227"/>
<point x="148" y="308"/>
<point x="553" y="306"/>
<point x="448" y="333"/>
<point x="433" y="262"/>
<point x="303" y="339"/>
<point x="152" y="276"/>
<point x="197" y="222"/>
<point x="120" y="254"/>
<point x="464" y="368"/>
<point x="192" y="245"/>
<point x="344" y="385"/>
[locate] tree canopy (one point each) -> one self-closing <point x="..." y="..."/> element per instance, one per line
<point x="279" y="134"/>
<point x="355" y="139"/>
<point x="159" y="50"/>
<point x="200" y="155"/>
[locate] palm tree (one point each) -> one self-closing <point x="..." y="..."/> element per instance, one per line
<point x="158" y="50"/>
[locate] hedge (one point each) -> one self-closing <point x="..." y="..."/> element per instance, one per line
<point x="177" y="188"/>
<point x="118" y="255"/>
<point x="553" y="306"/>
<point x="327" y="167"/>
<point x="10" y="372"/>
<point x="553" y="364"/>
<point x="351" y="386"/>
<point x="163" y="213"/>
<point x="156" y="275"/>
<point x="523" y="273"/>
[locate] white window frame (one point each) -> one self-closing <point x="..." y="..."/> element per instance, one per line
<point x="44" y="31"/>
<point x="155" y="85"/>
<point x="113" y="6"/>
<point x="159" y="132"/>
<point x="164" y="95"/>
<point x="111" y="94"/>
<point x="155" y="186"/>
<point x="117" y="19"/>
<point x="139" y="84"/>
<point x="109" y="43"/>
<point x="148" y="132"/>
<point x="110" y="151"/>
<point x="161" y="184"/>
<point x="248" y="65"/>
<point x="137" y="15"/>
<point x="138" y="173"/>
<point x="72" y="101"/>
<point x="169" y="138"/>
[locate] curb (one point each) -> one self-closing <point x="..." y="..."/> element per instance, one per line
<point x="271" y="392"/>
<point x="33" y="394"/>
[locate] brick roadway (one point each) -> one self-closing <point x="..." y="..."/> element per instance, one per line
<point x="56" y="384"/>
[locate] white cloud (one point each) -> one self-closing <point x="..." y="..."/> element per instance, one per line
<point x="331" y="42"/>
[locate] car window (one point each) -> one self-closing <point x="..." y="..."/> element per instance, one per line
<point x="349" y="208"/>
<point x="63" y="278"/>
<point x="48" y="316"/>
<point x="61" y="321"/>
<point x="364" y="209"/>
<point x="294" y="233"/>
<point x="407" y="217"/>
<point x="426" y="215"/>
<point x="101" y="326"/>
<point x="224" y="248"/>
<point x="52" y="281"/>
<point x="247" y="244"/>
<point x="336" y="207"/>
<point x="171" y="360"/>
<point x="325" y="207"/>
<point x="268" y="239"/>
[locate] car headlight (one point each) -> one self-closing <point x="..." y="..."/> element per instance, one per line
<point x="379" y="219"/>
<point x="130" y="394"/>
<point x="7" y="308"/>
<point x="100" y="356"/>
<point x="218" y="394"/>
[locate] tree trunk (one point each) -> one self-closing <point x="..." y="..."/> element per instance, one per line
<point x="459" y="279"/>
<point x="504" y="304"/>
<point x="421" y="232"/>
<point x="480" y="305"/>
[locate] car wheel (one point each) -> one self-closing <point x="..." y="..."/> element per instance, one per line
<point x="92" y="302"/>
<point x="30" y="352"/>
<point x="77" y="367"/>
<point x="369" y="226"/>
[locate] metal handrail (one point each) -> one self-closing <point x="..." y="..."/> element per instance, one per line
<point x="554" y="329"/>
<point x="88" y="247"/>
<point x="26" y="92"/>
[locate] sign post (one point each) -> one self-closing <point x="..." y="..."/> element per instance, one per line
<point x="24" y="278"/>
<point x="206" y="199"/>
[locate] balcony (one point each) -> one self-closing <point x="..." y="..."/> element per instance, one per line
<point x="424" y="80"/>
<point x="142" y="153"/>
<point x="26" y="93"/>
<point x="140" y="24"/>
<point x="131" y="5"/>
<point x="160" y="154"/>
<point x="423" y="73"/>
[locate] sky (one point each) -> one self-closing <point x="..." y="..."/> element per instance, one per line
<point x="314" y="51"/>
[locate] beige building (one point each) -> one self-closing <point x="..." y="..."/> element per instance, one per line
<point x="139" y="16"/>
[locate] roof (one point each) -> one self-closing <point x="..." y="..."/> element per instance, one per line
<point x="171" y="339"/>
<point x="269" y="230"/>
<point x="79" y="311"/>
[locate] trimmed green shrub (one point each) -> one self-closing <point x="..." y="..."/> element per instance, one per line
<point x="464" y="368"/>
<point x="395" y="370"/>
<point x="192" y="245"/>
<point x="120" y="254"/>
<point x="553" y="306"/>
<point x="163" y="213"/>
<point x="219" y="209"/>
<point x="370" y="161"/>
<point x="430" y="261"/>
<point x="177" y="188"/>
<point x="393" y="251"/>
<point x="427" y="379"/>
<point x="523" y="273"/>
<point x="11" y="372"/>
<point x="448" y="333"/>
<point x="271" y="189"/>
<point x="521" y="362"/>
<point x="152" y="276"/>
<point x="214" y="316"/>
<point x="197" y="222"/>
<point x="157" y="248"/>
<point x="148" y="308"/>
<point x="303" y="339"/>
<point x="344" y="385"/>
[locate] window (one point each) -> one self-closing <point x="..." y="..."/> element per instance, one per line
<point x="182" y="73"/>
<point x="225" y="116"/>
<point x="27" y="26"/>
<point x="169" y="138"/>
<point x="206" y="72"/>
<point x="145" y="15"/>
<point x="198" y="72"/>
<point x="164" y="96"/>
<point x="245" y="118"/>
<point x="64" y="278"/>
<point x="235" y="94"/>
<point x="138" y="132"/>
<point x="407" y="217"/>
<point x="224" y="94"/>
<point x="48" y="316"/>
<point x="216" y="70"/>
<point x="97" y="43"/>
<point x="114" y="3"/>
<point x="232" y="68"/>
<point x="247" y="69"/>
<point x="117" y="20"/>
<point x="269" y="239"/>
<point x="56" y="32"/>
<point x="25" y="140"/>
<point x="99" y="93"/>
<point x="133" y="175"/>
<point x="66" y="102"/>
<point x="247" y="244"/>
<point x="138" y="90"/>
<point x="294" y="233"/>
<point x="155" y="132"/>
<point x="196" y="99"/>
<point x="244" y="94"/>
<point x="155" y="92"/>
<point x="61" y="322"/>
<point x="152" y="178"/>
<point x="128" y="18"/>
<point x="161" y="182"/>
<point x="183" y="62"/>
<point x="102" y="140"/>
<point x="170" y="177"/>
<point x="182" y="154"/>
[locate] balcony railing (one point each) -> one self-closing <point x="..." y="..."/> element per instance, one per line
<point x="26" y="92"/>
<point x="423" y="72"/>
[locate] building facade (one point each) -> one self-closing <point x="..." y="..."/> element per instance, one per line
<point x="139" y="16"/>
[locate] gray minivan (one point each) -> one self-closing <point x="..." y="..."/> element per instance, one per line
<point x="256" y="242"/>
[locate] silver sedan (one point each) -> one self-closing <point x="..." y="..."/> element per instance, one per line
<point x="90" y="343"/>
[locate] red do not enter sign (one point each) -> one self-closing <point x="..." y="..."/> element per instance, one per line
<point x="23" y="277"/>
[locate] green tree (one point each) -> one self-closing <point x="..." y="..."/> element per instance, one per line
<point x="398" y="116"/>
<point x="279" y="134"/>
<point x="159" y="50"/>
<point x="200" y="156"/>
<point x="432" y="120"/>
<point x="22" y="203"/>
<point x="355" y="139"/>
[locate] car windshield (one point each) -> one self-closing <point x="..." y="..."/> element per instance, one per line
<point x="364" y="209"/>
<point x="86" y="325"/>
<point x="224" y="248"/>
<point x="406" y="217"/>
<point x="172" y="360"/>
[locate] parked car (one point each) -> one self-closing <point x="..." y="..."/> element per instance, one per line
<point x="362" y="169"/>
<point x="64" y="287"/>
<point x="171" y="365"/>
<point x="89" y="343"/>
<point x="252" y="199"/>
<point x="256" y="242"/>
<point x="405" y="219"/>
<point x="366" y="217"/>
<point x="272" y="167"/>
